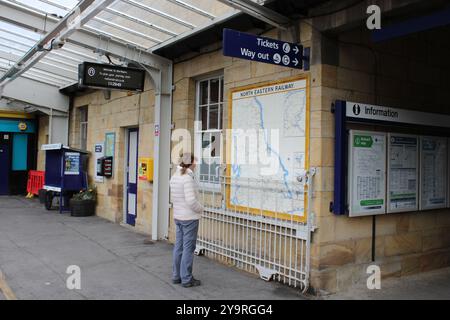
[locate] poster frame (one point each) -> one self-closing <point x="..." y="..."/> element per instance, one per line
<point x="352" y="213"/>
<point x="388" y="172"/>
<point x="436" y="207"/>
<point x="254" y="211"/>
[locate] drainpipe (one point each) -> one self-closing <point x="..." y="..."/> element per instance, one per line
<point x="50" y="127"/>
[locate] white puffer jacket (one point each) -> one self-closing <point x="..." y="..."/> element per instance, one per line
<point x="185" y="196"/>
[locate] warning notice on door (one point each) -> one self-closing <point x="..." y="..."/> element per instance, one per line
<point x="367" y="173"/>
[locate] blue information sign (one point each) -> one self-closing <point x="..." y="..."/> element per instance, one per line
<point x="251" y="47"/>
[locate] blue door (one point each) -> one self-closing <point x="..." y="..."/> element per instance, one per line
<point x="4" y="169"/>
<point x="132" y="175"/>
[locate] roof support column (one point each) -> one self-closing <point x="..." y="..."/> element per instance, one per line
<point x="162" y="80"/>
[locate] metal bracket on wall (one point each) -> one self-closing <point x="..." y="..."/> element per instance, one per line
<point x="306" y="59"/>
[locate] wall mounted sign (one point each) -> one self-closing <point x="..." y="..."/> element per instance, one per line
<point x="361" y="111"/>
<point x="110" y="142"/>
<point x="105" y="76"/>
<point x="367" y="173"/>
<point x="23" y="126"/>
<point x="255" y="48"/>
<point x="433" y="173"/>
<point x="72" y="164"/>
<point x="281" y="110"/>
<point x="99" y="153"/>
<point x="403" y="173"/>
<point x="417" y="166"/>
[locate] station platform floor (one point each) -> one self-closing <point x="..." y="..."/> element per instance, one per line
<point x="37" y="247"/>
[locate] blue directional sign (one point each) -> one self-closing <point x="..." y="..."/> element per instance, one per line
<point x="255" y="48"/>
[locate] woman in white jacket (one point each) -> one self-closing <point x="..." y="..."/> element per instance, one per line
<point x="187" y="211"/>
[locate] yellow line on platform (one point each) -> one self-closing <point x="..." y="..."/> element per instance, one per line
<point x="5" y="289"/>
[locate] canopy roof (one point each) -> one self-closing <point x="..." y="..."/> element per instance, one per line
<point x="139" y="24"/>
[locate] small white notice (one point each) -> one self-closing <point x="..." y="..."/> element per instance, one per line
<point x="367" y="170"/>
<point x="403" y="173"/>
<point x="433" y="173"/>
<point x="99" y="153"/>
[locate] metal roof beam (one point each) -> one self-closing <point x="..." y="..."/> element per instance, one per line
<point x="60" y="31"/>
<point x="107" y="43"/>
<point x="76" y="53"/>
<point x="127" y="30"/>
<point x="260" y="12"/>
<point x="193" y="8"/>
<point x="66" y="74"/>
<point x="140" y="21"/>
<point x="159" y="13"/>
<point x="23" y="51"/>
<point x="36" y="93"/>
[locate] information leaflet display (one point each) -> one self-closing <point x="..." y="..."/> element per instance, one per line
<point x="367" y="169"/>
<point x="403" y="173"/>
<point x="72" y="164"/>
<point x="433" y="173"/>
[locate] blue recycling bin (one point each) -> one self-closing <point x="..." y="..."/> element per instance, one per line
<point x="65" y="174"/>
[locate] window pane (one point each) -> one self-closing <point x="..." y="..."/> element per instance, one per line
<point x="204" y="92"/>
<point x="215" y="172"/>
<point x="221" y="116"/>
<point x="204" y="172"/>
<point x="214" y="117"/>
<point x="215" y="85"/>
<point x="222" y="88"/>
<point x="204" y="117"/>
<point x="215" y="144"/>
<point x="206" y="142"/>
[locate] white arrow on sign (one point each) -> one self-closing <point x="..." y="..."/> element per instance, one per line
<point x="295" y="62"/>
<point x="296" y="50"/>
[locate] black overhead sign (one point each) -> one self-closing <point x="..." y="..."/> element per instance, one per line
<point x="105" y="76"/>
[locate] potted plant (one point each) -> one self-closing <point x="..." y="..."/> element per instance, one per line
<point x="83" y="204"/>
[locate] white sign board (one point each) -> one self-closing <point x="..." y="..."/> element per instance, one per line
<point x="72" y="164"/>
<point x="268" y="148"/>
<point x="433" y="173"/>
<point x="403" y="173"/>
<point x="386" y="114"/>
<point x="99" y="150"/>
<point x="367" y="170"/>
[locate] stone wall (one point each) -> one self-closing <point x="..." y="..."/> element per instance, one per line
<point x="42" y="139"/>
<point x="407" y="75"/>
<point x="123" y="110"/>
<point x="237" y="73"/>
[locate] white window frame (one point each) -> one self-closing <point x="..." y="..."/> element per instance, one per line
<point x="198" y="132"/>
<point x="83" y="126"/>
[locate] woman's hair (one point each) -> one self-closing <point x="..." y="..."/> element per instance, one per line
<point x="186" y="161"/>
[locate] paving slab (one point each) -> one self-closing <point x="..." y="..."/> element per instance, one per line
<point x="37" y="247"/>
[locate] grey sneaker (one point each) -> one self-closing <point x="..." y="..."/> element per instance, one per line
<point x="178" y="281"/>
<point x="192" y="283"/>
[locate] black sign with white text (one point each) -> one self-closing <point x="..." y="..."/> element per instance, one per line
<point x="111" y="77"/>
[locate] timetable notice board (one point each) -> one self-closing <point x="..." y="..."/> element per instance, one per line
<point x="403" y="173"/>
<point x="367" y="173"/>
<point x="433" y="173"/>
